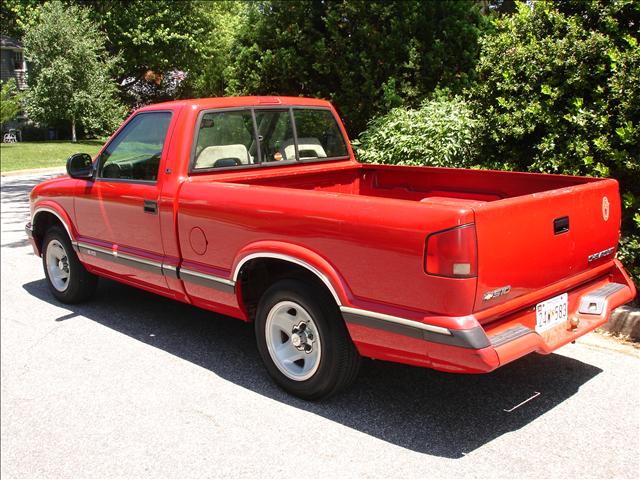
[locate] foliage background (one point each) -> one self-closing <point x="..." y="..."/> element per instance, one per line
<point x="364" y="56"/>
<point x="556" y="89"/>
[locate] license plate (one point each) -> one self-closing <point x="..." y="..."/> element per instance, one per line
<point x="551" y="312"/>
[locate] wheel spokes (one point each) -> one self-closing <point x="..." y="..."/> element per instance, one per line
<point x="288" y="354"/>
<point x="57" y="263"/>
<point x="285" y="320"/>
<point x="293" y="340"/>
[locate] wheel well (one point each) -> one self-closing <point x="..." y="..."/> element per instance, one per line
<point x="257" y="275"/>
<point x="42" y="222"/>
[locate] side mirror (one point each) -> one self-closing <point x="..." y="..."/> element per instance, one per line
<point x="80" y="165"/>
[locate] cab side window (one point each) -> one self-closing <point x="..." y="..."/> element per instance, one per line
<point x="136" y="151"/>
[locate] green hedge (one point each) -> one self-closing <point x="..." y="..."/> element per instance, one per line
<point x="442" y="133"/>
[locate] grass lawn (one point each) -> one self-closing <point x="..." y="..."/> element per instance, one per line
<point x="18" y="156"/>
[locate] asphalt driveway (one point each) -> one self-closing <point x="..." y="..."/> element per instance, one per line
<point x="135" y="385"/>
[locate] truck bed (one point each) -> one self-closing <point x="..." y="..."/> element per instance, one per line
<point x="421" y="183"/>
<point x="523" y="244"/>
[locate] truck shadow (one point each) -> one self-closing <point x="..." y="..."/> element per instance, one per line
<point x="15" y="205"/>
<point x="422" y="410"/>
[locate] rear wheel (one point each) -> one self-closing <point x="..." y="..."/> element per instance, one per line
<point x="303" y="341"/>
<point x="67" y="278"/>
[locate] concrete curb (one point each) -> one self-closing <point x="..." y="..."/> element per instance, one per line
<point x="624" y="321"/>
<point x="33" y="171"/>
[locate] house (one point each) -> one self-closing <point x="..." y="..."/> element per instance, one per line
<point x="13" y="64"/>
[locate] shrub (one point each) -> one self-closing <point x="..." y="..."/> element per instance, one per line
<point x="442" y="133"/>
<point x="629" y="254"/>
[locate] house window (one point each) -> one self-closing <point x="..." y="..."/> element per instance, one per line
<point x="18" y="61"/>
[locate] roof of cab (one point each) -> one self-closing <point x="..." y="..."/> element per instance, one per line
<point x="226" y="102"/>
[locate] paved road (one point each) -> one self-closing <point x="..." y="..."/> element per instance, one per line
<point x="133" y="385"/>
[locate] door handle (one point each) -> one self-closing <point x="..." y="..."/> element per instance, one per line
<point x="151" y="206"/>
<point x="560" y="225"/>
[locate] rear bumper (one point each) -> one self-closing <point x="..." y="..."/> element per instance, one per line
<point x="461" y="344"/>
<point x="515" y="336"/>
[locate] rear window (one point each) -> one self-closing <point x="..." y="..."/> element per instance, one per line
<point x="275" y="132"/>
<point x="253" y="137"/>
<point x="225" y="139"/>
<point x="318" y="135"/>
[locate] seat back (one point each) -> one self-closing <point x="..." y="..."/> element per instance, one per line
<point x="210" y="155"/>
<point x="308" y="147"/>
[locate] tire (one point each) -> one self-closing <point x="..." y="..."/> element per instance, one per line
<point x="303" y="340"/>
<point x="66" y="277"/>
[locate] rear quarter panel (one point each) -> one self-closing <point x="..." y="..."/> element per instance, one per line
<point x="376" y="245"/>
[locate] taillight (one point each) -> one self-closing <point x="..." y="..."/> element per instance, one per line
<point x="453" y="252"/>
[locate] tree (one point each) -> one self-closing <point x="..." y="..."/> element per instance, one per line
<point x="223" y="20"/>
<point x="159" y="35"/>
<point x="160" y="40"/>
<point x="9" y="101"/>
<point x="69" y="71"/>
<point x="16" y="16"/>
<point x="366" y="57"/>
<point x="151" y="40"/>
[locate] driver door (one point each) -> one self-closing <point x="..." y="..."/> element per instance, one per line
<point x="117" y="214"/>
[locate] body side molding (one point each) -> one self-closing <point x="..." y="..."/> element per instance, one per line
<point x="119" y="257"/>
<point x="206" y="280"/>
<point x="473" y="338"/>
<point x="392" y="319"/>
<point x="136" y="261"/>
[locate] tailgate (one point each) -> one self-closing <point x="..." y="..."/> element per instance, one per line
<point x="525" y="243"/>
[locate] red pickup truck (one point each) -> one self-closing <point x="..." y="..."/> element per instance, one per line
<point x="255" y="208"/>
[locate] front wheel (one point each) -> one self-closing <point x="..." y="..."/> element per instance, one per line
<point x="67" y="278"/>
<point x="303" y="341"/>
